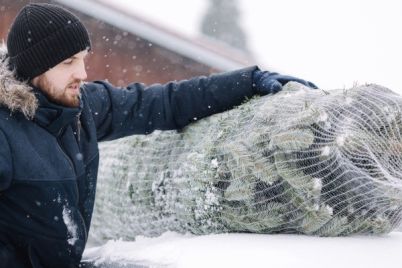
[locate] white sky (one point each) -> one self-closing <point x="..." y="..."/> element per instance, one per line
<point x="331" y="43"/>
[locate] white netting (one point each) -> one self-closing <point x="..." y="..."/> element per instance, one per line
<point x="300" y="161"/>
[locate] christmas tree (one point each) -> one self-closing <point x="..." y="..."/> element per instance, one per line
<point x="301" y="161"/>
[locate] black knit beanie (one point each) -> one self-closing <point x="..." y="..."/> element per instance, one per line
<point x="42" y="36"/>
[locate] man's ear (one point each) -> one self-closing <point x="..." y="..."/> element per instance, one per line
<point x="34" y="81"/>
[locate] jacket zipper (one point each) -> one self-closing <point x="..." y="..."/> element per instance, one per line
<point x="78" y="128"/>
<point x="75" y="172"/>
<point x="64" y="153"/>
<point x="76" y="185"/>
<point x="69" y="160"/>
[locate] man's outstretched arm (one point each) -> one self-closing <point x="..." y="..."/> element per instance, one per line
<point x="138" y="109"/>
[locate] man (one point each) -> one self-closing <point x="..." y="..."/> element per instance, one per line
<point x="51" y="123"/>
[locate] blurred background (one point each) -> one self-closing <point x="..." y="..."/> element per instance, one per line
<point x="334" y="44"/>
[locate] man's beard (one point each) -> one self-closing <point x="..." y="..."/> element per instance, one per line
<point x="63" y="97"/>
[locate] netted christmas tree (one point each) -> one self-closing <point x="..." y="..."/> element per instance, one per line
<point x="300" y="161"/>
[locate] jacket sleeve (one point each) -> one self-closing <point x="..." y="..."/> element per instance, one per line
<point x="137" y="109"/>
<point x="5" y="163"/>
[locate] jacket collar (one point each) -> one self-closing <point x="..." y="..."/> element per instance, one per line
<point x="53" y="117"/>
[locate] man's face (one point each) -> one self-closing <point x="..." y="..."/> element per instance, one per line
<point x="61" y="84"/>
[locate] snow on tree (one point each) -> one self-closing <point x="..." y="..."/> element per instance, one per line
<point x="300" y="161"/>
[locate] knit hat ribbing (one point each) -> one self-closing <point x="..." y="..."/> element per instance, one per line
<point x="42" y="36"/>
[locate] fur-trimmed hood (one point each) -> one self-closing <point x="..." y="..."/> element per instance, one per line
<point x="17" y="96"/>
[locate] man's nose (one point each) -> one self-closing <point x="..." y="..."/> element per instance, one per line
<point x="80" y="73"/>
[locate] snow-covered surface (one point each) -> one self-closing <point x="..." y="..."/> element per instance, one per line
<point x="252" y="250"/>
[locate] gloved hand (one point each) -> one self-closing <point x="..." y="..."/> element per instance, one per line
<point x="267" y="83"/>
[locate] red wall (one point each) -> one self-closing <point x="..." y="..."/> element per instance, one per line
<point x="118" y="56"/>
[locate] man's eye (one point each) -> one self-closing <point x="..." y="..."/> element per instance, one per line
<point x="68" y="61"/>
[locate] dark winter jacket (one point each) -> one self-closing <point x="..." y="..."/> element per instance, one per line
<point x="49" y="154"/>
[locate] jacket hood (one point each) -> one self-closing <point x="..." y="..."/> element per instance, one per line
<point x="17" y="96"/>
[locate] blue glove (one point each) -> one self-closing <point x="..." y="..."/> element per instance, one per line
<point x="268" y="83"/>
